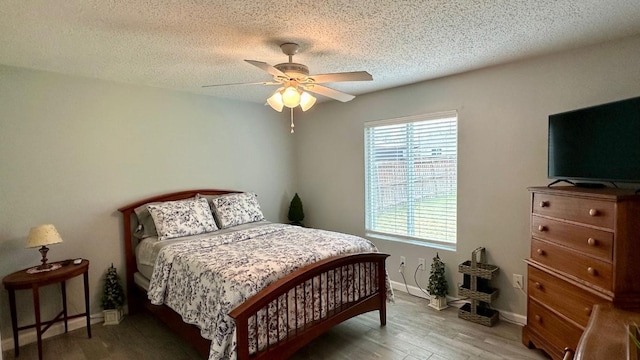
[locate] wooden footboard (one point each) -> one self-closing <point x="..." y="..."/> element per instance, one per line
<point x="306" y="317"/>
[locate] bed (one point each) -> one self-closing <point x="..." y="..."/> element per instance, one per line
<point x="240" y="286"/>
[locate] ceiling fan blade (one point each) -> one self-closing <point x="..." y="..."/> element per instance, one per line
<point x="266" y="67"/>
<point x="343" y="76"/>
<point x="329" y="92"/>
<point x="249" y="83"/>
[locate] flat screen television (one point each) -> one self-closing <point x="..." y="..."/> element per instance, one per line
<point x="598" y="143"/>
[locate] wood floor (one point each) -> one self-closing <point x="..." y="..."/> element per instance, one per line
<point x="414" y="331"/>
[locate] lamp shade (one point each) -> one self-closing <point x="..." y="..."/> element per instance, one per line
<point x="43" y="235"/>
<point x="275" y="101"/>
<point x="306" y="101"/>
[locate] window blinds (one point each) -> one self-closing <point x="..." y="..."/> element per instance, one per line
<point x="411" y="177"/>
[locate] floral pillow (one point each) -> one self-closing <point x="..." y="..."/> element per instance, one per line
<point x="208" y="197"/>
<point x="236" y="209"/>
<point x="182" y="218"/>
<point x="146" y="227"/>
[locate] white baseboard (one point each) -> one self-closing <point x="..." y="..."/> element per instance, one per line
<point x="413" y="290"/>
<point x="514" y="318"/>
<point x="504" y="315"/>
<point x="29" y="336"/>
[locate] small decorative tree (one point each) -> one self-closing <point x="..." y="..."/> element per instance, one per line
<point x="437" y="285"/>
<point x="112" y="298"/>
<point x="296" y="214"/>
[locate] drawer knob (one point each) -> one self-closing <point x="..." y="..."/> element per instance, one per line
<point x="537" y="285"/>
<point x="538" y="318"/>
<point x="587" y="311"/>
<point x="594" y="212"/>
<point x="542" y="228"/>
<point x="544" y="203"/>
<point x="540" y="252"/>
<point x="592" y="242"/>
<point x="592" y="271"/>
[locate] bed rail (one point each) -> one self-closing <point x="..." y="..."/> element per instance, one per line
<point x="323" y="295"/>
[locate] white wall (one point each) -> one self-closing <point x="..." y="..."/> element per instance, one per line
<point x="74" y="150"/>
<point x="503" y="114"/>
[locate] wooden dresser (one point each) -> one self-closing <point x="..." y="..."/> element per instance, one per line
<point x="585" y="250"/>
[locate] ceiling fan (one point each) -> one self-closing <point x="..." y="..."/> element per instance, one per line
<point x="296" y="83"/>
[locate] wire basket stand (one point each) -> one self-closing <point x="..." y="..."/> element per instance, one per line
<point x="481" y="295"/>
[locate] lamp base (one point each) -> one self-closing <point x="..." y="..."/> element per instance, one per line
<point x="44" y="266"/>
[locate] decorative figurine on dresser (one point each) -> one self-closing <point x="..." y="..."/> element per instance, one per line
<point x="585" y="250"/>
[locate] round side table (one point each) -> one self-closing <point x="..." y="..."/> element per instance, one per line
<point x="22" y="280"/>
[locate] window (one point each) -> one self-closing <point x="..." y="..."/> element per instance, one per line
<point x="411" y="178"/>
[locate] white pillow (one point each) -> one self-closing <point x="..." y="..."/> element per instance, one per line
<point x="182" y="218"/>
<point x="236" y="209"/>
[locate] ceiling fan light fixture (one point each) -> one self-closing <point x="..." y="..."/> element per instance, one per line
<point x="295" y="81"/>
<point x="306" y="101"/>
<point x="275" y="101"/>
<point x="291" y="97"/>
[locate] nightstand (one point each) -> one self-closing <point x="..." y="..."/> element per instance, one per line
<point x="21" y="280"/>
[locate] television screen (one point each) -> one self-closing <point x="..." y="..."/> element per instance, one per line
<point x="599" y="143"/>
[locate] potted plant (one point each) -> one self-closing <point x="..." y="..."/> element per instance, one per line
<point x="437" y="285"/>
<point x="112" y="298"/>
<point x="296" y="214"/>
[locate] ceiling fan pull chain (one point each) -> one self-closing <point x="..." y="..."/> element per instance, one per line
<point x="292" y="125"/>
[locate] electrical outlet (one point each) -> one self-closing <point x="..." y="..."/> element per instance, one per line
<point x="518" y="281"/>
<point x="403" y="263"/>
<point x="423" y="264"/>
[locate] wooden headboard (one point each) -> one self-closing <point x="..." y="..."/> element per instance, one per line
<point x="129" y="227"/>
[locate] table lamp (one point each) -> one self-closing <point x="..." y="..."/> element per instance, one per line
<point x="43" y="235"/>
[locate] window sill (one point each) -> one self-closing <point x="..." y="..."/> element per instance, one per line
<point x="425" y="243"/>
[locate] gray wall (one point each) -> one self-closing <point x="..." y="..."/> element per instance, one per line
<point x="503" y="114"/>
<point x="74" y="150"/>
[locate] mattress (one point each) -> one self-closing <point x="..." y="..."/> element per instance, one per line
<point x="141" y="280"/>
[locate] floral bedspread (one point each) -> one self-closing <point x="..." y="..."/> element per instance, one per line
<point x="204" y="279"/>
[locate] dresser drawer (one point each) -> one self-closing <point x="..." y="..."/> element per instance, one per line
<point x="566" y="260"/>
<point x="562" y="296"/>
<point x="594" y="242"/>
<point x="556" y="331"/>
<point x="587" y="211"/>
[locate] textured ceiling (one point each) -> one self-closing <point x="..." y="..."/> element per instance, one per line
<point x="184" y="44"/>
